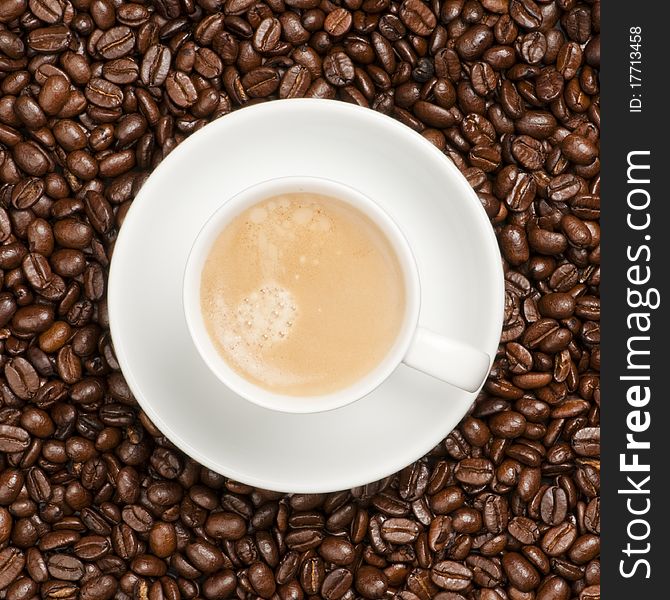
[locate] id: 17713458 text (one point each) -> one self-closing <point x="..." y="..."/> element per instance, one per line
<point x="635" y="69"/>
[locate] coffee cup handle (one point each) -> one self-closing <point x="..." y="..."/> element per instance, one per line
<point x="452" y="361"/>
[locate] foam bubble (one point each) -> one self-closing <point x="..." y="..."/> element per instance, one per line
<point x="262" y="319"/>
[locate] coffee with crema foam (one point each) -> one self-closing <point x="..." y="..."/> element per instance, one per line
<point x="302" y="294"/>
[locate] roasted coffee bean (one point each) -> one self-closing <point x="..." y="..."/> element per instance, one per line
<point x="180" y="89"/>
<point x="49" y="40"/>
<point x="155" y="65"/>
<point x="68" y="568"/>
<point x="27" y="192"/>
<point x="207" y="63"/>
<point x="137" y="518"/>
<point x="584" y="549"/>
<point x="370" y="582"/>
<point x="451" y="576"/>
<point x="31" y="158"/>
<point x="557" y="540"/>
<point x="205" y="556"/>
<point x="12" y="562"/>
<point x="592" y="516"/>
<point x="486" y="572"/>
<point x="53" y="95"/>
<point x="417" y="17"/>
<point x="295" y="82"/>
<point x="82" y="164"/>
<point x="474" y="42"/>
<point x="116" y="42"/>
<point x="338" y="22"/>
<point x="219" y="585"/>
<point x="261" y="579"/>
<point x="261" y="82"/>
<point x="12" y="45"/>
<point x="101" y="587"/>
<point x="400" y="530"/>
<point x="59" y="589"/>
<point x="72" y="233"/>
<point x="523" y="529"/>
<point x="27" y="110"/>
<point x="146" y="565"/>
<point x="553" y="587"/>
<point x="337" y="551"/>
<point x="103" y="93"/>
<point x="312" y="575"/>
<point x="121" y="71"/>
<point x="70" y="135"/>
<point x="267" y="35"/>
<point x="557" y="305"/>
<point x="22" y="588"/>
<point x="520" y="572"/>
<point x="474" y="471"/>
<point x="433" y="115"/>
<point x="578" y="149"/>
<point x="225" y="525"/>
<point x="92" y="547"/>
<point x="526" y="13"/>
<point x="514" y="243"/>
<point x="528" y="152"/>
<point x="336" y="584"/>
<point x="14" y="439"/>
<point x="338" y="69"/>
<point x="77" y="67"/>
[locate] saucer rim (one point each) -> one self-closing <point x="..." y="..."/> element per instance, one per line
<point x="324" y="484"/>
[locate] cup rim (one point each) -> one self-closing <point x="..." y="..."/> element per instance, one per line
<point x="202" y="243"/>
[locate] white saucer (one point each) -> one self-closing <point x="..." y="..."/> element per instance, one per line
<point x="459" y="266"/>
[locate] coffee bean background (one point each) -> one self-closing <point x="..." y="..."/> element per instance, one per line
<point x="95" y="503"/>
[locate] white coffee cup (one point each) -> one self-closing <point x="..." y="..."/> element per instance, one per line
<point x="449" y="360"/>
